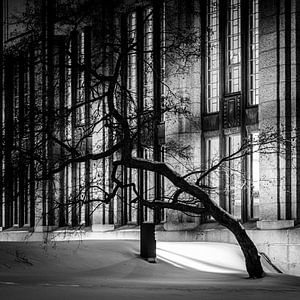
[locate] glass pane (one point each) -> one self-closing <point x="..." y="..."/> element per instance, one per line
<point x="212" y="57"/>
<point x="233" y="176"/>
<point x="212" y="158"/>
<point x="149" y="188"/>
<point x="132" y="67"/>
<point x="253" y="53"/>
<point x="148" y="58"/>
<point x="233" y="46"/>
<point x="253" y="178"/>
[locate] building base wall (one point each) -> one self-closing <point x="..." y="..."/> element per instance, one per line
<point x="278" y="224"/>
<point x="281" y="246"/>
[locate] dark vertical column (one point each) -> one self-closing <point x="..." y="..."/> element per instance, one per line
<point x="74" y="88"/>
<point x="250" y="205"/>
<point x="26" y="137"/>
<point x="21" y="174"/>
<point x="230" y="179"/>
<point x="189" y="12"/>
<point x="87" y="97"/>
<point x="104" y="163"/>
<point x="157" y="10"/>
<point x="44" y="109"/>
<point x="244" y="100"/>
<point x="278" y="121"/>
<point x="124" y="74"/>
<point x="111" y="20"/>
<point x="32" y="135"/>
<point x="50" y="104"/>
<point x="203" y="11"/>
<point x="8" y="177"/>
<point x="222" y="35"/>
<point x="105" y="131"/>
<point x="63" y="210"/>
<point x="140" y="104"/>
<point x="288" y="121"/>
<point x="1" y="113"/>
<point x="298" y="109"/>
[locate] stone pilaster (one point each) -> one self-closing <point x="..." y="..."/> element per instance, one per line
<point x="277" y="111"/>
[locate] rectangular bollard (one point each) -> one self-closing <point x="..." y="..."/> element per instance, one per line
<point x="148" y="242"/>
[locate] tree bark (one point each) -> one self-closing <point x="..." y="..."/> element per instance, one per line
<point x="252" y="258"/>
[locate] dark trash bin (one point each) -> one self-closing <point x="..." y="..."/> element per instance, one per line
<point x="148" y="242"/>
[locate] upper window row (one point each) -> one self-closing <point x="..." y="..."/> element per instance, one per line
<point x="232" y="53"/>
<point x="221" y="52"/>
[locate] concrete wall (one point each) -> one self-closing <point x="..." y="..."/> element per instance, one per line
<point x="281" y="246"/>
<point x="278" y="55"/>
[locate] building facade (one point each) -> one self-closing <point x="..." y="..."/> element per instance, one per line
<point x="240" y="83"/>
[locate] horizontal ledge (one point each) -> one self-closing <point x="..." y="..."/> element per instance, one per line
<point x="277" y="224"/>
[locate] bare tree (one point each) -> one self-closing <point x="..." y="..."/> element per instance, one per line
<point x="100" y="100"/>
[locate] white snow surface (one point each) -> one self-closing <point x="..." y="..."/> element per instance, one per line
<point x="114" y="270"/>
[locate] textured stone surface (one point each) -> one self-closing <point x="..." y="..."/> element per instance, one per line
<point x="281" y="246"/>
<point x="278" y="224"/>
<point x="102" y="227"/>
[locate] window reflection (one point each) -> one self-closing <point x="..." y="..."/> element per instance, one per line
<point x="212" y="158"/>
<point x="253" y="177"/>
<point x="233" y="46"/>
<point x="253" y="63"/>
<point x="212" y="59"/>
<point x="233" y="176"/>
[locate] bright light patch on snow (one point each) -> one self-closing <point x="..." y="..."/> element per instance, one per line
<point x="113" y="270"/>
<point x="206" y="257"/>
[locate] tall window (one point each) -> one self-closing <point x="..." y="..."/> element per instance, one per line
<point x="233" y="59"/>
<point x="68" y="139"/>
<point x="80" y="112"/>
<point x="253" y="178"/>
<point x="253" y="53"/>
<point x="132" y="59"/>
<point x="212" y="158"/>
<point x="148" y="58"/>
<point x="226" y="69"/>
<point x="26" y="142"/>
<point x="80" y="131"/>
<point x="233" y="51"/>
<point x="163" y="53"/>
<point x="74" y="179"/>
<point x="130" y="207"/>
<point x="233" y="176"/>
<point x="149" y="191"/>
<point x="140" y="86"/>
<point x="16" y="135"/>
<point x="212" y="57"/>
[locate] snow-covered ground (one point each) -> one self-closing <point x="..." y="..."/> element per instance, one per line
<point x="113" y="270"/>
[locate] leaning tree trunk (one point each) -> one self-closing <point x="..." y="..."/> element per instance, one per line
<point x="252" y="258"/>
